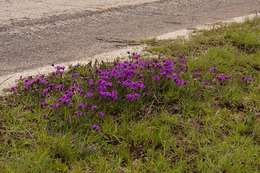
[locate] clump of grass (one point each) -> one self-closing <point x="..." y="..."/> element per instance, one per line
<point x="175" y="114"/>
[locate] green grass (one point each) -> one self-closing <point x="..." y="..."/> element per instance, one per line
<point x="195" y="128"/>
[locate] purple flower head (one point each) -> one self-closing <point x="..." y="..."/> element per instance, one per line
<point x="104" y="93"/>
<point x="156" y="78"/>
<point x="212" y="69"/>
<point x="104" y="74"/>
<point x="59" y="87"/>
<point x="167" y="68"/>
<point x="133" y="85"/>
<point x="180" y="82"/>
<point x="66" y="98"/>
<point x="103" y="84"/>
<point x="101" y="114"/>
<point x="133" y="96"/>
<point x="182" y="60"/>
<point x="90" y="82"/>
<point x="136" y="56"/>
<point x="247" y="79"/>
<point x="124" y="70"/>
<point x="196" y="73"/>
<point x="183" y="67"/>
<point x="95" y="127"/>
<point x="140" y="84"/>
<point x="89" y="94"/>
<point x="43" y="104"/>
<point x="28" y="83"/>
<point x="222" y="77"/>
<point x="114" y="95"/>
<point x="79" y="114"/>
<point x="82" y="106"/>
<point x="205" y="82"/>
<point x="93" y="107"/>
<point x="168" y="63"/>
<point x="13" y="89"/>
<point x="55" y="105"/>
<point x="75" y="87"/>
<point x="59" y="68"/>
<point x="46" y="91"/>
<point x="174" y="77"/>
<point x="41" y="79"/>
<point x="75" y="75"/>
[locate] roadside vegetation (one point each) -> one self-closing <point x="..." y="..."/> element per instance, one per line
<point x="195" y="108"/>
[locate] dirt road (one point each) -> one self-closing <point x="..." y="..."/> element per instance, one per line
<point x="17" y="10"/>
<point x="65" y="36"/>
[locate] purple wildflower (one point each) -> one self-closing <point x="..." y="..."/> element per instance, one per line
<point x="93" y="107"/>
<point x="196" y="73"/>
<point x="103" y="84"/>
<point x="156" y="78"/>
<point x="95" y="127"/>
<point x="167" y="68"/>
<point x="136" y="55"/>
<point x="82" y="106"/>
<point x="174" y="77"/>
<point x="43" y="104"/>
<point x="79" y="114"/>
<point x="133" y="96"/>
<point x="222" y="77"/>
<point x="59" y="68"/>
<point x="247" y="79"/>
<point x="180" y="82"/>
<point x="212" y="69"/>
<point x="55" y="105"/>
<point x="42" y="80"/>
<point x="28" y="83"/>
<point x="114" y="95"/>
<point x="205" y="82"/>
<point x="46" y="91"/>
<point x="104" y="93"/>
<point x="182" y="62"/>
<point x="75" y="75"/>
<point x="89" y="94"/>
<point x="14" y="89"/>
<point x="66" y="98"/>
<point x="101" y="114"/>
<point x="133" y="85"/>
<point x="90" y="82"/>
<point x="59" y="87"/>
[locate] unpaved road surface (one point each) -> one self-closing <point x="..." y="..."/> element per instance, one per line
<point x="15" y="10"/>
<point x="66" y="36"/>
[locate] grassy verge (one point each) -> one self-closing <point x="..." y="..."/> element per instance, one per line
<point x="196" y="109"/>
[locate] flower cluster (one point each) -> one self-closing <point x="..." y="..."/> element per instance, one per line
<point x="222" y="77"/>
<point x="121" y="82"/>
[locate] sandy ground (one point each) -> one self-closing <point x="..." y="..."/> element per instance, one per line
<point x="37" y="42"/>
<point x="13" y="10"/>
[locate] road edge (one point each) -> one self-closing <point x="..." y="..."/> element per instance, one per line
<point x="7" y="81"/>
